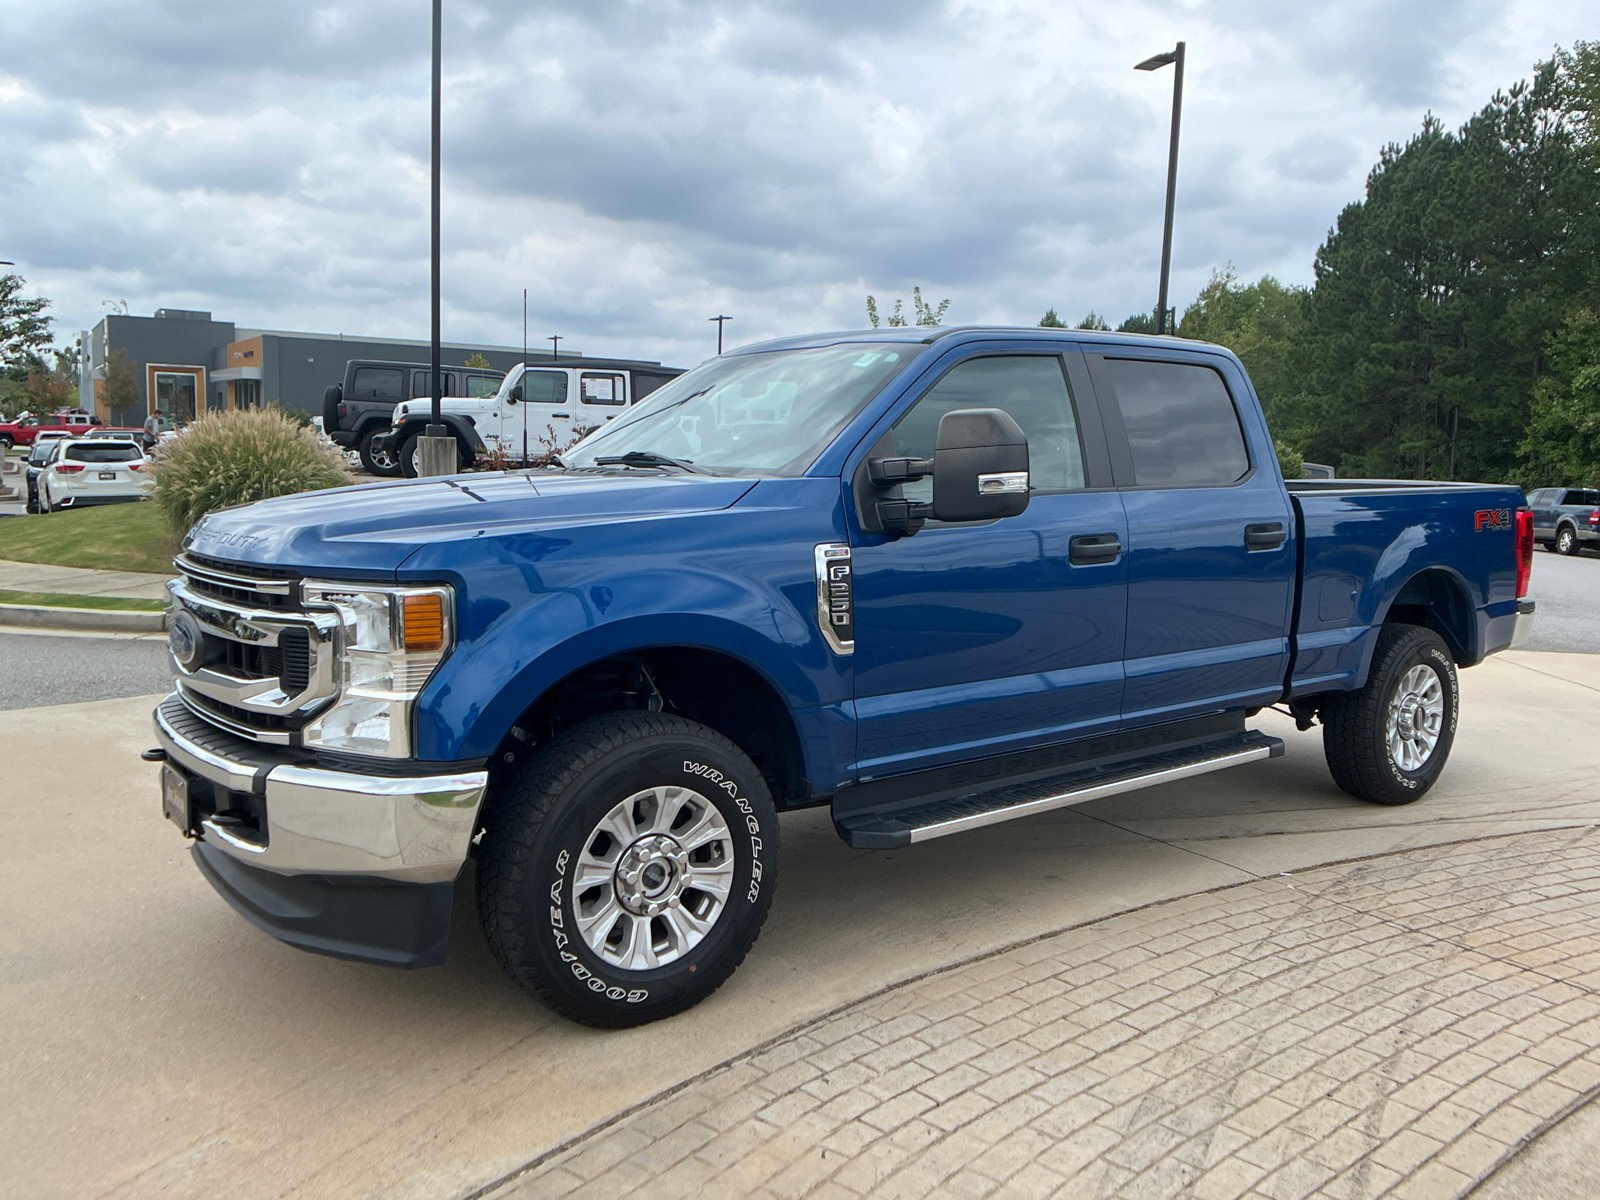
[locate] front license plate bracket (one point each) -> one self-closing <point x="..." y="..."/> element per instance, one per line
<point x="175" y="805"/>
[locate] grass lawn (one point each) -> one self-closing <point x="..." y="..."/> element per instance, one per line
<point x="60" y="600"/>
<point x="111" y="537"/>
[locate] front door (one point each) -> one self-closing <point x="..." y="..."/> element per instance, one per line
<point x="1210" y="540"/>
<point x="973" y="640"/>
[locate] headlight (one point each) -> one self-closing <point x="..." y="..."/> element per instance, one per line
<point x="390" y="642"/>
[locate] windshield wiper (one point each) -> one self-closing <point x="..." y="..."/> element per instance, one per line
<point x="648" y="458"/>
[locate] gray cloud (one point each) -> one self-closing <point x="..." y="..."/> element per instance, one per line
<point x="638" y="165"/>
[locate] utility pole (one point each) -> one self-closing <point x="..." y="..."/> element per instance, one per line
<point x="436" y="449"/>
<point x="719" y="321"/>
<point x="1155" y="63"/>
<point x="523" y="382"/>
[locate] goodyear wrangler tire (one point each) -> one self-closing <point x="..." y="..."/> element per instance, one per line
<point x="627" y="870"/>
<point x="1388" y="742"/>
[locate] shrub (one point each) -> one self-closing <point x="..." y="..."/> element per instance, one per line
<point x="224" y="459"/>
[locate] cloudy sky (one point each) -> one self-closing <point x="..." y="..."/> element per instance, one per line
<point x="641" y="166"/>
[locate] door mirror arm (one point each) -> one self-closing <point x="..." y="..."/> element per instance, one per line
<point x="515" y="395"/>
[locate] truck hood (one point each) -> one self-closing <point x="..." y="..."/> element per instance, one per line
<point x="371" y="529"/>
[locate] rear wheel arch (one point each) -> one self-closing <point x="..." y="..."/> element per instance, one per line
<point x="1438" y="599"/>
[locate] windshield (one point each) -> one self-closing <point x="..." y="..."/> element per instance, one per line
<point x="757" y="414"/>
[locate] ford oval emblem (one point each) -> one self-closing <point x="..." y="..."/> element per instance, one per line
<point x="185" y="640"/>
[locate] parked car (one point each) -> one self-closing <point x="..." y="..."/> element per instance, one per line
<point x="82" y="472"/>
<point x="44" y="445"/>
<point x="534" y="410"/>
<point x="1566" y="519"/>
<point x="933" y="579"/>
<point x="357" y="410"/>
<point x="24" y="430"/>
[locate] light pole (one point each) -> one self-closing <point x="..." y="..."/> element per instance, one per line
<point x="1155" y="63"/>
<point x="719" y="321"/>
<point x="555" y="346"/>
<point x="436" y="449"/>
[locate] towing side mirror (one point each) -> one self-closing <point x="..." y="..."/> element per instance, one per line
<point x="980" y="466"/>
<point x="515" y="395"/>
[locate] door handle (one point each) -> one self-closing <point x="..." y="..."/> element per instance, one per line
<point x="1093" y="549"/>
<point x="560" y="414"/>
<point x="1265" y="537"/>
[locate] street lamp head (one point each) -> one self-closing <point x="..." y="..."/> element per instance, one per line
<point x="1157" y="61"/>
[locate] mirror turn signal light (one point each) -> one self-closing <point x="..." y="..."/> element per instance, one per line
<point x="424" y="622"/>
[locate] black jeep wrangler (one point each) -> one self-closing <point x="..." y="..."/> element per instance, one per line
<point x="359" y="409"/>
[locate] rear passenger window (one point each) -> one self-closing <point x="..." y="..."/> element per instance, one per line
<point x="1032" y="389"/>
<point x="602" y="389"/>
<point x="422" y="384"/>
<point x="1182" y="426"/>
<point x="378" y="383"/>
<point x="481" y="387"/>
<point x="544" y="387"/>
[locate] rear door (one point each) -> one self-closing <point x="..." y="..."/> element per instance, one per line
<point x="978" y="639"/>
<point x="601" y="396"/>
<point x="1544" y="512"/>
<point x="1211" y="565"/>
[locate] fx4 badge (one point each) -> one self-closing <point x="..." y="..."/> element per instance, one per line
<point x="836" y="605"/>
<point x="1491" y="518"/>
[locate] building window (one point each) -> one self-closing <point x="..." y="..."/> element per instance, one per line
<point x="175" y="396"/>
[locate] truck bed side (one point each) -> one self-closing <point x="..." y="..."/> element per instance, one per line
<point x="1442" y="554"/>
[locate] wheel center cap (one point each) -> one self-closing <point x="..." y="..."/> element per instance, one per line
<point x="650" y="874"/>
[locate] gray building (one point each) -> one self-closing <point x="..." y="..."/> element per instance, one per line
<point x="185" y="363"/>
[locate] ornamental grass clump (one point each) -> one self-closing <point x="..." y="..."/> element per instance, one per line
<point x="224" y="459"/>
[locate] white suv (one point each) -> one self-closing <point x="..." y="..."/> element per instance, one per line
<point x="83" y="472"/>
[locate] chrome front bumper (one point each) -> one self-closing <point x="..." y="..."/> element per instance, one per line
<point x="320" y="822"/>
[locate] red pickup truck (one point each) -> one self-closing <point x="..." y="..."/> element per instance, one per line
<point x="24" y="430"/>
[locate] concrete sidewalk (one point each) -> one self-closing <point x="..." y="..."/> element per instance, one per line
<point x="77" y="581"/>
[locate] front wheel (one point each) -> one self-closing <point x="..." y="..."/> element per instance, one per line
<point x="1567" y="540"/>
<point x="1388" y="742"/>
<point x="378" y="462"/>
<point x="627" y="870"/>
<point x="411" y="458"/>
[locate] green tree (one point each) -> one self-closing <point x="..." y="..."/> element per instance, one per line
<point x="925" y="314"/>
<point x="1439" y="295"/>
<point x="478" y="360"/>
<point x="1093" y="321"/>
<point x="1563" y="442"/>
<point x="24" y="329"/>
<point x="121" y="389"/>
<point x="1261" y="323"/>
<point x="1051" y="321"/>
<point x="1138" y="323"/>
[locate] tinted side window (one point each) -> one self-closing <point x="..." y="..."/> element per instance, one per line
<point x="544" y="387"/>
<point x="1033" y="389"/>
<point x="480" y="387"/>
<point x="1182" y="427"/>
<point x="378" y="383"/>
<point x="422" y="384"/>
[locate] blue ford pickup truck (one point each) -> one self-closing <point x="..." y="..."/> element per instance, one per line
<point x="934" y="579"/>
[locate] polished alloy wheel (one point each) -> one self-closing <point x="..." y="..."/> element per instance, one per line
<point x="653" y="877"/>
<point x="1415" y="718"/>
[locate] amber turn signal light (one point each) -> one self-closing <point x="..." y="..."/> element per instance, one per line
<point x="424" y="622"/>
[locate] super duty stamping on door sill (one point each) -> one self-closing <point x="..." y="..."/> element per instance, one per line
<point x="932" y="579"/>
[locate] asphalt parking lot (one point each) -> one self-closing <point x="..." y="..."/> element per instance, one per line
<point x="1568" y="594"/>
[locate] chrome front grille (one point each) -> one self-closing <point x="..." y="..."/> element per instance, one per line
<point x="268" y="666"/>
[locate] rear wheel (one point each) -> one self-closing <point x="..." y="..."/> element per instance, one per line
<point x="378" y="462"/>
<point x="626" y="872"/>
<point x="1567" y="540"/>
<point x="1389" y="741"/>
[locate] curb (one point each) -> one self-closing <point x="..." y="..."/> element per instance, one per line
<point x="40" y="616"/>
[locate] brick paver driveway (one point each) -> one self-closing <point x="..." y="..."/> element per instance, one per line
<point x="1391" y="1026"/>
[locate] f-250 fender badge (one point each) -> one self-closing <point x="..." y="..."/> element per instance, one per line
<point x="1491" y="518"/>
<point x="836" y="603"/>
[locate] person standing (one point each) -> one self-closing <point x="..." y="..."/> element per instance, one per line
<point x="152" y="428"/>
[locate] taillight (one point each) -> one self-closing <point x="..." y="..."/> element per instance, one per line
<point x="343" y="411"/>
<point x="68" y="468"/>
<point x="1524" y="550"/>
<point x="134" y="466"/>
<point x="1594" y="517"/>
